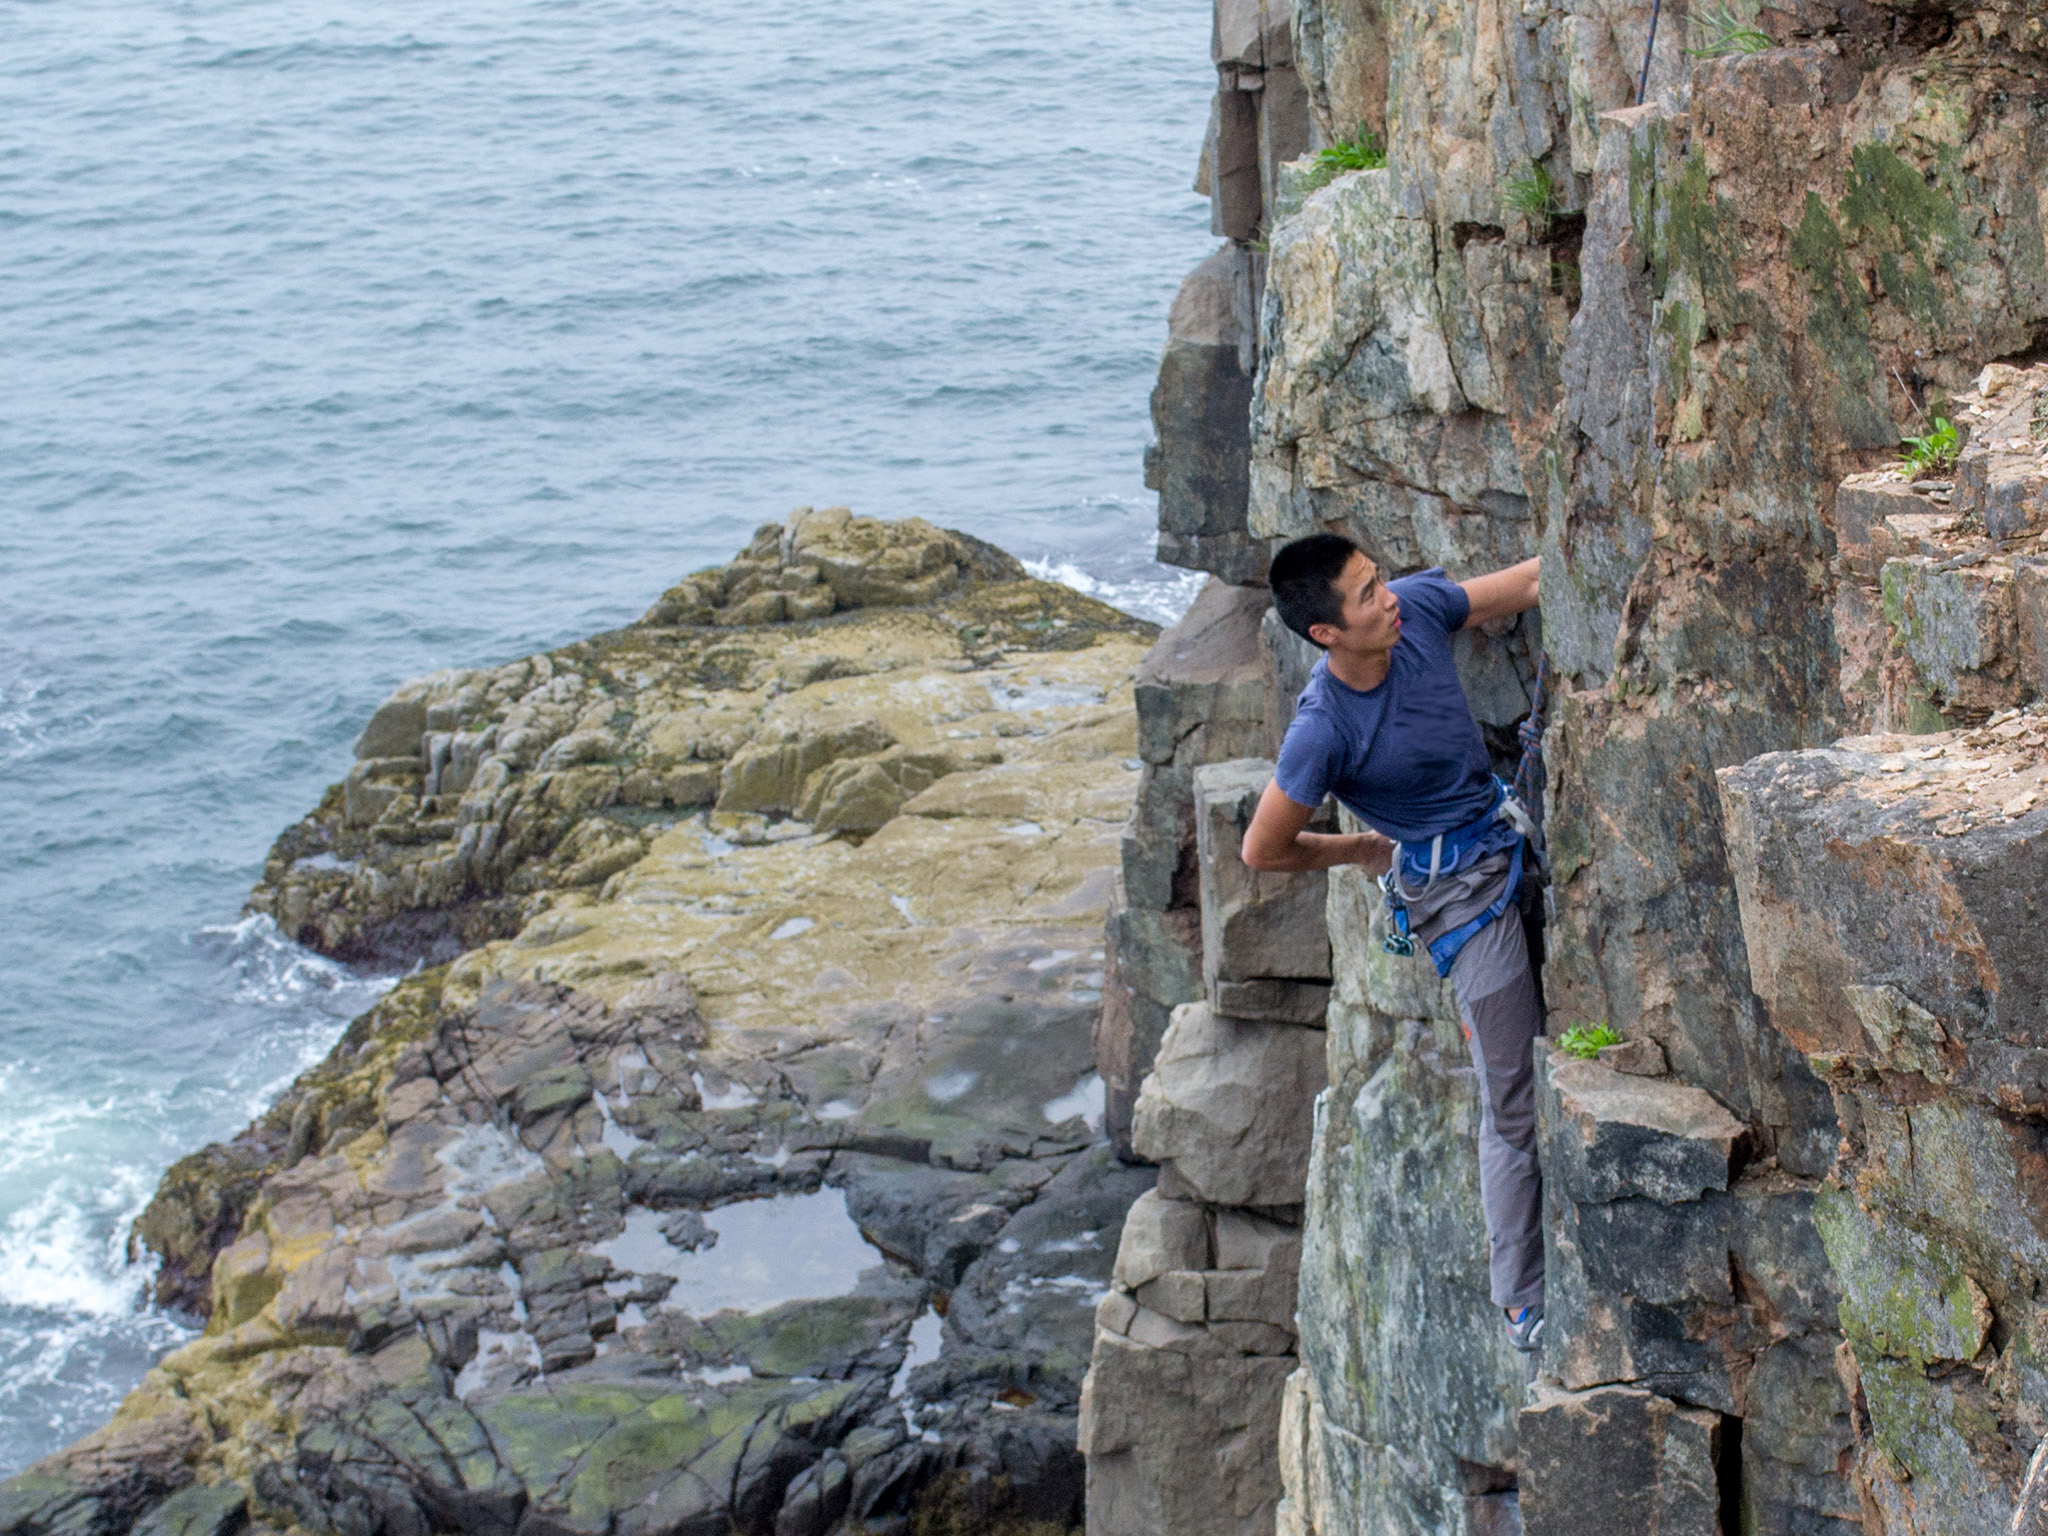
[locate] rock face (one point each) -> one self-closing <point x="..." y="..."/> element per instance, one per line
<point x="1259" y="121"/>
<point x="1201" y="408"/>
<point x="1265" y="954"/>
<point x="1672" y="345"/>
<point x="1192" y="1350"/>
<point x="1891" y="889"/>
<point x="1222" y="1109"/>
<point x="1194" y="1345"/>
<point x="634" y="1218"/>
<point x="1201" y="697"/>
<point x="1943" y="613"/>
<point x="1404" y="1408"/>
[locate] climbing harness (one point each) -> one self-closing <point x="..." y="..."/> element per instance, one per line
<point x="1506" y="822"/>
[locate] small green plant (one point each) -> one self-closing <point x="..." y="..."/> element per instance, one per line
<point x="1364" y="153"/>
<point x="1936" y="451"/>
<point x="1722" y="32"/>
<point x="1586" y="1041"/>
<point x="1532" y="194"/>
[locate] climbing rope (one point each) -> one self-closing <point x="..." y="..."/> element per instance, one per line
<point x="1528" y="785"/>
<point x="1643" y="85"/>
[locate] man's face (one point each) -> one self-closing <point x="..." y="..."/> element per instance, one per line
<point x="1372" y="614"/>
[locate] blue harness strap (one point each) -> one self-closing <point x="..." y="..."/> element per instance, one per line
<point x="1443" y="949"/>
<point x="1511" y="805"/>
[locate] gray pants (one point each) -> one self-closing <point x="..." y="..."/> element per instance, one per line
<point x="1498" y="1005"/>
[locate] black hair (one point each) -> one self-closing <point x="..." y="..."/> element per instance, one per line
<point x="1304" y="582"/>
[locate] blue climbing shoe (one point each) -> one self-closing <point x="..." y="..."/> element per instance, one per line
<point x="1525" y="1328"/>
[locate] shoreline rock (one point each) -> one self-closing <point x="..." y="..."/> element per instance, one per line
<point x="734" y="910"/>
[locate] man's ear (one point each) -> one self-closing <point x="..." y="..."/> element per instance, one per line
<point x="1322" y="634"/>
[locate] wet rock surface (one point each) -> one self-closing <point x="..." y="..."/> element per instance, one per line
<point x="747" y="1178"/>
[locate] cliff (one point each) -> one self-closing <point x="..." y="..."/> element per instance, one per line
<point x="1671" y="344"/>
<point x="825" y="882"/>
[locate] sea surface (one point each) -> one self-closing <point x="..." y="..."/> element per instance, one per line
<point x="341" y="341"/>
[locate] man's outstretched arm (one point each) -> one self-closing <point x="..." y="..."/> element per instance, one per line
<point x="1278" y="840"/>
<point x="1502" y="594"/>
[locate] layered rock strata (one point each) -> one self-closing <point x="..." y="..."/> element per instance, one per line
<point x="1194" y="1345"/>
<point x="1942" y="610"/>
<point x="641" y="1215"/>
<point x="1891" y="891"/>
<point x="1201" y="697"/>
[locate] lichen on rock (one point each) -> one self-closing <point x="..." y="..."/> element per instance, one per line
<point x="739" y="914"/>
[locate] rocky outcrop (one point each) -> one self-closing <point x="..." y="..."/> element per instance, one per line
<point x="1181" y="1411"/>
<point x="1890" y="890"/>
<point x="1201" y="698"/>
<point x="643" y="1215"/>
<point x="1942" y="612"/>
<point x="477" y="793"/>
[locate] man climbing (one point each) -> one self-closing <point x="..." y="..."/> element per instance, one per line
<point x="1385" y="727"/>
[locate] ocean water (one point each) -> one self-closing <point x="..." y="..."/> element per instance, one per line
<point x="345" y="341"/>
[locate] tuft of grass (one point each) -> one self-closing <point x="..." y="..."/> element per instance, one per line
<point x="1936" y="451"/>
<point x="1585" y="1041"/>
<point x="1532" y="194"/>
<point x="1364" y="153"/>
<point x="1723" y="32"/>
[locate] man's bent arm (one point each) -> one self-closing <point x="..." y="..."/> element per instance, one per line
<point x="1278" y="840"/>
<point x="1502" y="594"/>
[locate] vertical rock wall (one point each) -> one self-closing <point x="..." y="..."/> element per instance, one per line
<point x="1890" y="890"/>
<point x="1195" y="1342"/>
<point x="1201" y="697"/>
<point x="1650" y="341"/>
<point x="1403" y="1415"/>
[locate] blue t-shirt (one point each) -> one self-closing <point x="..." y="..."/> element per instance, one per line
<point x="1406" y="758"/>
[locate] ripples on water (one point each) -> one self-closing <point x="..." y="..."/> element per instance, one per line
<point x="346" y="342"/>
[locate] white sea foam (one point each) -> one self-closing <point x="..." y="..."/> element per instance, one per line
<point x="310" y="997"/>
<point x="63" y="1252"/>
<point x="1162" y="598"/>
<point x="272" y="971"/>
<point x="31" y="715"/>
<point x="21" y="725"/>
